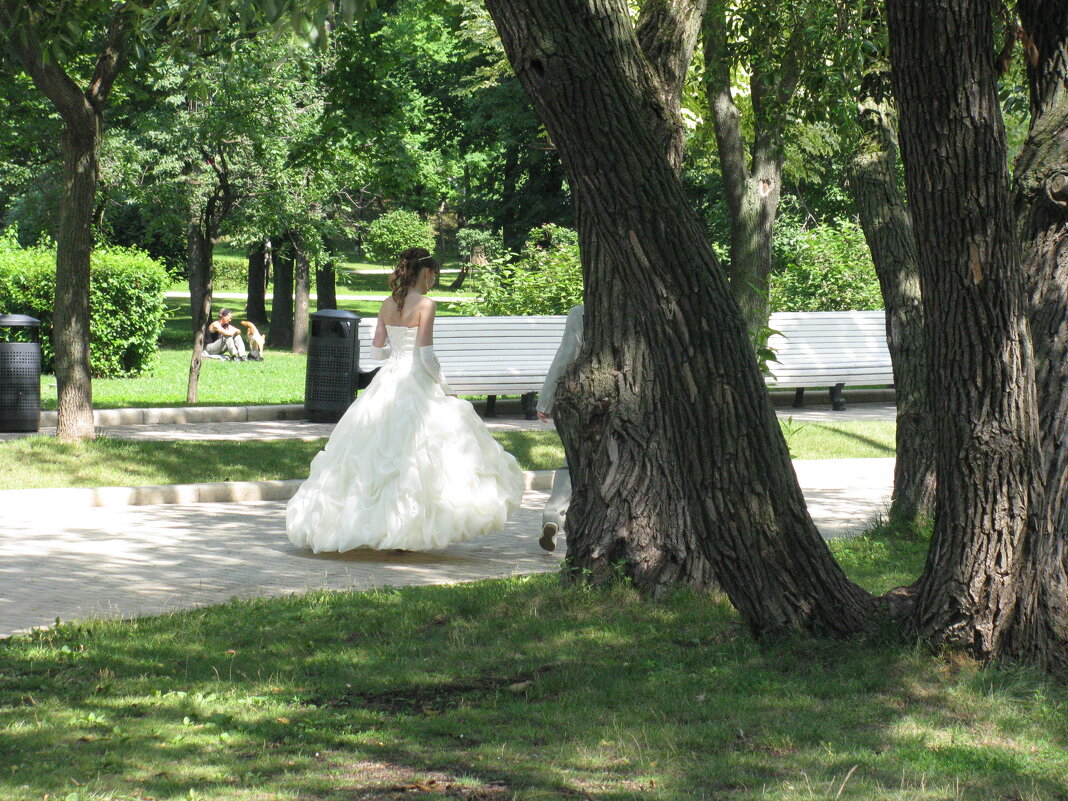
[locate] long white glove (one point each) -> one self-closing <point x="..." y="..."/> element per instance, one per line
<point x="430" y="363"/>
<point x="380" y="354"/>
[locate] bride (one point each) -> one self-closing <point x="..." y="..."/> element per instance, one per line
<point x="410" y="465"/>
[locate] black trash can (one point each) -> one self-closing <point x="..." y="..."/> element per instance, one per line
<point x="333" y="364"/>
<point x="20" y="375"/>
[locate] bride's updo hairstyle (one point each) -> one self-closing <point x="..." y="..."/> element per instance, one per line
<point x="410" y="263"/>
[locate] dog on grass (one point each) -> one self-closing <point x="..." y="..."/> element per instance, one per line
<point x="256" y="342"/>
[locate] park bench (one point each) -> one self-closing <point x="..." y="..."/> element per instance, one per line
<point x="488" y="355"/>
<point x="828" y="349"/>
<point x="511" y="355"/>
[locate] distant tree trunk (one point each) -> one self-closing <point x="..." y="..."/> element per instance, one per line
<point x="301" y="291"/>
<point x="199" y="266"/>
<point x="82" y="113"/>
<point x="653" y="500"/>
<point x="465" y="268"/>
<point x="1041" y="195"/>
<point x="873" y="181"/>
<point x="981" y="375"/>
<point x="259" y="257"/>
<point x="281" y="332"/>
<point x="325" y="287"/>
<point x="752" y="182"/>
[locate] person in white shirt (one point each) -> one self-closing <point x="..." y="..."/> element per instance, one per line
<point x="555" y="512"/>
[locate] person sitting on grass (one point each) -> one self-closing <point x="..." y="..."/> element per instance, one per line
<point x="225" y="337"/>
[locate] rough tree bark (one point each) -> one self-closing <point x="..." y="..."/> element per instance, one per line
<point x="280" y="334"/>
<point x="325" y="287"/>
<point x="82" y="112"/>
<point x="752" y="177"/>
<point x="873" y="183"/>
<point x="680" y="471"/>
<point x="301" y="293"/>
<point x="1041" y="203"/>
<point x="981" y="375"/>
<point x="259" y="259"/>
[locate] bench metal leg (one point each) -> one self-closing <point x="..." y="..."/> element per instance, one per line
<point x="837" y="398"/>
<point x="530" y="402"/>
<point x="799" y="397"/>
<point x="491" y="406"/>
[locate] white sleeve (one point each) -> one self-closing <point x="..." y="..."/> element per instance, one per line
<point x="430" y="363"/>
<point x="380" y="354"/>
<point x="570" y="344"/>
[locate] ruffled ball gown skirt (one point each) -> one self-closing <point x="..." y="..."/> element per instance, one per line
<point x="406" y="467"/>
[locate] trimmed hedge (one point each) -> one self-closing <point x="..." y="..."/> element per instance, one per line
<point x="125" y="296"/>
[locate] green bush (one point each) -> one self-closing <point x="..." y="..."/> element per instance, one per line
<point x="543" y="280"/>
<point x="824" y="268"/>
<point x="468" y="239"/>
<point x="125" y="296"/>
<point x="395" y="232"/>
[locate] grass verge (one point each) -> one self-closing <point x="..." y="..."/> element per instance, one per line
<point x="517" y="689"/>
<point x="111" y="462"/>
<point x="45" y="462"/>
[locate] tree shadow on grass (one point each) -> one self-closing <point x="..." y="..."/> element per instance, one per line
<point x="520" y="684"/>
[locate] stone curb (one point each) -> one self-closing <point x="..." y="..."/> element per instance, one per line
<point x="221" y="492"/>
<point x="187" y="414"/>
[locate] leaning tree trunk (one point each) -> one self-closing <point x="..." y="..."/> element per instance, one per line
<point x="199" y="267"/>
<point x="259" y="257"/>
<point x="280" y="334"/>
<point x="1041" y="194"/>
<point x="981" y="376"/>
<point x="301" y="291"/>
<point x="873" y="181"/>
<point x="681" y="474"/>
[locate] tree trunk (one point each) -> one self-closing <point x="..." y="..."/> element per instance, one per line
<point x="652" y="501"/>
<point x="1041" y="196"/>
<point x="752" y="181"/>
<point x="74" y="247"/>
<point x="82" y="113"/>
<point x="325" y="287"/>
<point x="200" y="252"/>
<point x="301" y="291"/>
<point x="280" y="334"/>
<point x="980" y="370"/>
<point x="259" y="257"/>
<point x="873" y="181"/>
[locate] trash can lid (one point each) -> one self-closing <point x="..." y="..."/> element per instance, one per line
<point x="19" y="321"/>
<point x="336" y="314"/>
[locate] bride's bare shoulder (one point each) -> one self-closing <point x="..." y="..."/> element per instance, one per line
<point x="388" y="310"/>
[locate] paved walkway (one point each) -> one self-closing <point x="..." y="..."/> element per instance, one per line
<point x="60" y="561"/>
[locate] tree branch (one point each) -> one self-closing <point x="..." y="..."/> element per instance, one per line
<point x="726" y="119"/>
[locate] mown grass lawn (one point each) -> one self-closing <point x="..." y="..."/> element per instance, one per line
<point x="516" y="689"/>
<point x="108" y="462"/>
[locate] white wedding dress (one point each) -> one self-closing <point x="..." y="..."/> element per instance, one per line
<point x="407" y="467"/>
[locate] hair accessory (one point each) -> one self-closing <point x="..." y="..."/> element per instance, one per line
<point x="425" y="258"/>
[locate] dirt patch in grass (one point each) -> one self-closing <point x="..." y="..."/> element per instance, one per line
<point x="383" y="781"/>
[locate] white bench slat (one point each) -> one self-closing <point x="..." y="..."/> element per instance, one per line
<point x="511" y="355"/>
